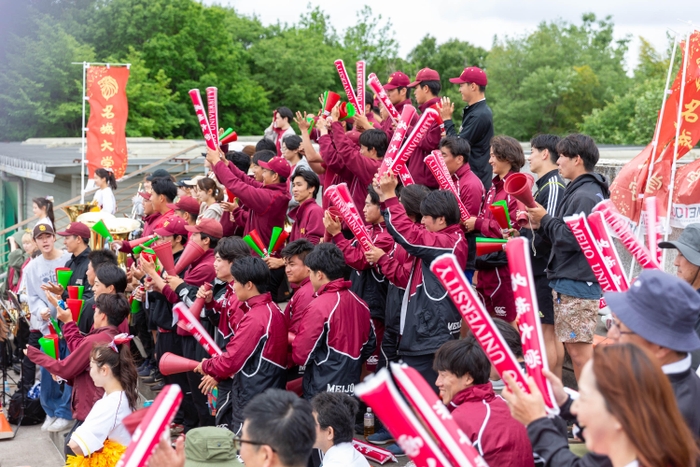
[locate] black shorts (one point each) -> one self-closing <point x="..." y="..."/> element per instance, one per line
<point x="544" y="299"/>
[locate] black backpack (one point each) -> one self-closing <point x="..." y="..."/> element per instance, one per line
<point x="33" y="411"/>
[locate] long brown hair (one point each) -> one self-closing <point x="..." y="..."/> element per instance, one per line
<point x="123" y="368"/>
<point x="640" y="397"/>
<point x="206" y="184"/>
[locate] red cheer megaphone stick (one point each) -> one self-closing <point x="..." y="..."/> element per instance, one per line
<point x="258" y="241"/>
<point x="171" y="364"/>
<point x="499" y="214"/>
<point x="229" y="139"/>
<point x="329" y="102"/>
<point x="191" y="252"/>
<point x="164" y="253"/>
<point x="75" y="306"/>
<point x="141" y="241"/>
<point x="519" y="186"/>
<point x="486" y="248"/>
<point x="131" y="421"/>
<point x="198" y="303"/>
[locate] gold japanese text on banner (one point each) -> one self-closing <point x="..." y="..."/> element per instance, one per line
<point x="109" y="109"/>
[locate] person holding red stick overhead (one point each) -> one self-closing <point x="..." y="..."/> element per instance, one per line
<point x="494" y="284"/>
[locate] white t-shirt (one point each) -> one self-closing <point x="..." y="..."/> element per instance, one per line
<point x="344" y="455"/>
<point x="104" y="422"/>
<point x="106" y="200"/>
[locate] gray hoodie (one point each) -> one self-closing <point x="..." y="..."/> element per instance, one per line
<point x="39" y="271"/>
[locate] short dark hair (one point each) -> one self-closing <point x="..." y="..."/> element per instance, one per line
<point x="375" y="139"/>
<point x="101" y="256"/>
<point x="285" y="112"/>
<point x="369" y="100"/>
<point x="509" y="150"/>
<point x="373" y="196"/>
<point x="457" y="146"/>
<point x="433" y="86"/>
<point x="213" y="241"/>
<point x="250" y="269"/>
<point x="328" y="259"/>
<point x="299" y="248"/>
<point x="231" y="249"/>
<point x="111" y="274"/>
<point x="265" y="145"/>
<point x="461" y="357"/>
<point x="441" y="203"/>
<point x="114" y="306"/>
<point x="309" y="177"/>
<point x="165" y="187"/>
<point x="283" y="421"/>
<point x="239" y="159"/>
<point x="577" y="144"/>
<point x="292" y="142"/>
<point x="411" y="198"/>
<point x="548" y="142"/>
<point x="263" y="155"/>
<point x="337" y="410"/>
<point x="511" y="336"/>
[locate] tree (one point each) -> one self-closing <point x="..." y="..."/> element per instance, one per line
<point x="371" y="41"/>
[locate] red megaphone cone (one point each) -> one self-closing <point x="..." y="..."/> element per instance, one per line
<point x="140" y="241"/>
<point x="132" y="421"/>
<point x="486" y="248"/>
<point x="191" y="252"/>
<point x="171" y="364"/>
<point x="164" y="252"/>
<point x="75" y="306"/>
<point x="331" y="100"/>
<point x="519" y="186"/>
<point x="198" y="304"/>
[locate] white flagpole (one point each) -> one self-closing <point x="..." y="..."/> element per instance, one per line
<point x="675" y="147"/>
<point x="82" y="142"/>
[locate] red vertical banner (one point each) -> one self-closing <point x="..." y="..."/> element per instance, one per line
<point x="109" y="109"/>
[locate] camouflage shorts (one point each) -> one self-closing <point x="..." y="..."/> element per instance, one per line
<point x="575" y="319"/>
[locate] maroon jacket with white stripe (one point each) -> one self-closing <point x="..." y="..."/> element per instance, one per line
<point x="335" y="337"/>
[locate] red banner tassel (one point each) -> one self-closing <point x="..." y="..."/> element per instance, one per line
<point x="213" y="108"/>
<point x="360" y="80"/>
<point x="399" y="134"/>
<point x="620" y="227"/>
<point x="528" y="318"/>
<point x="378" y="89"/>
<point x="345" y="80"/>
<point x="450" y="274"/>
<point x="203" y="124"/>
<point x="380" y="393"/>
<point x="437" y="166"/>
<point x="339" y="195"/>
<point x="436" y="417"/>
<point x="192" y="325"/>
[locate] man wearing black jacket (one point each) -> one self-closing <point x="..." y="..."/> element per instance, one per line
<point x="575" y="289"/>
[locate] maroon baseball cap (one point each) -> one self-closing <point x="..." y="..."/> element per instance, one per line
<point x="397" y="79"/>
<point x="175" y="225"/>
<point x="426" y="74"/>
<point x="208" y="226"/>
<point x="145" y="194"/>
<point x="76" y="228"/>
<point x="279" y="165"/>
<point x="471" y="75"/>
<point x="187" y="204"/>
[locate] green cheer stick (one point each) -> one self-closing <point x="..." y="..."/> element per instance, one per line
<point x="81" y="289"/>
<point x="49" y="346"/>
<point x="276" y="231"/>
<point x="54" y="323"/>
<point x="226" y="133"/>
<point x="101" y="229"/>
<point x="144" y="246"/>
<point x="311" y="121"/>
<point x="490" y="240"/>
<point x="253" y="246"/>
<point x="63" y="277"/>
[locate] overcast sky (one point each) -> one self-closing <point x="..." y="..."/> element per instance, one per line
<point x="478" y="22"/>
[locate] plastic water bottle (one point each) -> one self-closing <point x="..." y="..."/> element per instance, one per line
<point x="369" y="422"/>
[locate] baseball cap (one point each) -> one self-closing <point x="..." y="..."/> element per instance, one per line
<point x="397" y="79"/>
<point x="426" y="74"/>
<point x="160" y="173"/>
<point x="193" y="181"/>
<point x="211" y="227"/>
<point x="660" y="308"/>
<point x="145" y="194"/>
<point x="42" y="229"/>
<point x="187" y="204"/>
<point x="76" y="228"/>
<point x="471" y="74"/>
<point x="688" y="244"/>
<point x="279" y="165"/>
<point x="210" y="445"/>
<point x="175" y="225"/>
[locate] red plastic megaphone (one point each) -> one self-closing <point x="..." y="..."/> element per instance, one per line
<point x="140" y="241"/>
<point x="132" y="421"/>
<point x="171" y="364"/>
<point x="519" y="186"/>
<point x="164" y="252"/>
<point x="486" y="248"/>
<point x="191" y="252"/>
<point x="331" y="99"/>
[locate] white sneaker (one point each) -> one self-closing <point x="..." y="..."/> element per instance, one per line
<point x="47" y="423"/>
<point x="59" y="425"/>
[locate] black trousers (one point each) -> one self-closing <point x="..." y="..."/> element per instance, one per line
<point x="28" y="367"/>
<point x="190" y="350"/>
<point x="186" y="414"/>
<point x="139" y="324"/>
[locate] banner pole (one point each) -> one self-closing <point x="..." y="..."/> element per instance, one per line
<point x="82" y="142"/>
<point x="675" y="143"/>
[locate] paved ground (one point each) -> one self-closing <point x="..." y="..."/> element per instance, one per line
<point x="31" y="447"/>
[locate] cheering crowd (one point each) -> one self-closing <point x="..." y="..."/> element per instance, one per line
<point x="318" y="314"/>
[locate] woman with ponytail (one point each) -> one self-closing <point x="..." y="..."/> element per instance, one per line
<point x="102" y="438"/>
<point x="209" y="194"/>
<point x="42" y="208"/>
<point x="105" y="181"/>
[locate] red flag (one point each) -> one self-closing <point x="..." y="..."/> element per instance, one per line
<point x="109" y="109"/>
<point x="686" y="208"/>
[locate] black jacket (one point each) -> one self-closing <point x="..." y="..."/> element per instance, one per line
<point x="566" y="260"/>
<point x="550" y="192"/>
<point x="551" y="447"/>
<point x="695" y="354"/>
<point x="477" y="128"/>
<point x="79" y="265"/>
<point x="686" y="388"/>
